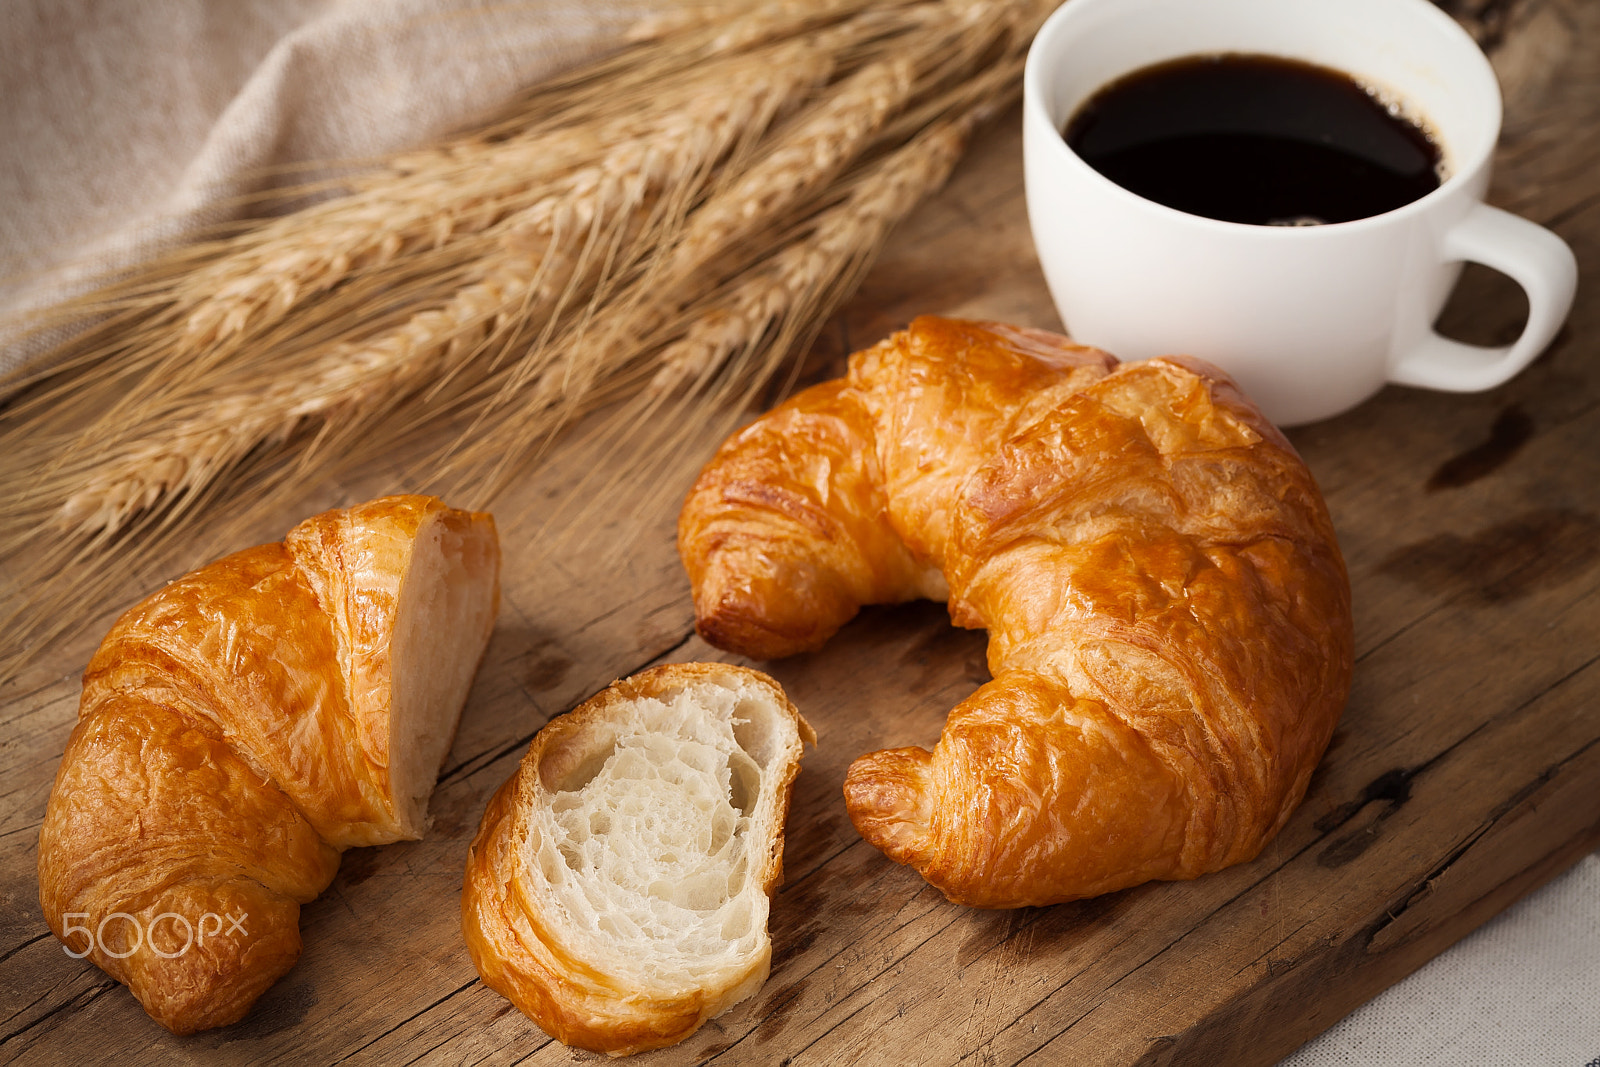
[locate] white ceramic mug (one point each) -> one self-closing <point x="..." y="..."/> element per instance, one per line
<point x="1310" y="320"/>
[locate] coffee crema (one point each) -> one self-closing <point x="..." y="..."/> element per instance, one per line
<point x="1255" y="139"/>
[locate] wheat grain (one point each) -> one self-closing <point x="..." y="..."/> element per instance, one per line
<point x="531" y="275"/>
<point x="811" y="155"/>
<point x="780" y="17"/>
<point x="855" y="227"/>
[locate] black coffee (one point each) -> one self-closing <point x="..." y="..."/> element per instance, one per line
<point x="1255" y="139"/>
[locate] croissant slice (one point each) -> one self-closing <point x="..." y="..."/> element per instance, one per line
<point x="617" y="890"/>
<point x="1169" y="619"/>
<point x="241" y="727"/>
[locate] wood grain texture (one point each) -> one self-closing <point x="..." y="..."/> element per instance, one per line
<point x="1465" y="772"/>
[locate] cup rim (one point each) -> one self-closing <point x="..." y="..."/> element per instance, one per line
<point x="1034" y="106"/>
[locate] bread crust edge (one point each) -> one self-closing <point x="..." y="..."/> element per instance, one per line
<point x="516" y="951"/>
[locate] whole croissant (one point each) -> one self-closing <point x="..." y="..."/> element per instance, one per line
<point x="241" y="727"/>
<point x="1168" y="612"/>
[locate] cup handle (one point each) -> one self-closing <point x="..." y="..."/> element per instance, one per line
<point x="1531" y="256"/>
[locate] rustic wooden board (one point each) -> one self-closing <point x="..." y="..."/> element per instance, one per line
<point x="1465" y="773"/>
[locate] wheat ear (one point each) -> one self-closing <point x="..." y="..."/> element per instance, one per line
<point x="527" y="278"/>
<point x="492" y="311"/>
<point x="426" y="197"/>
<point x="842" y="239"/>
<point x="810" y="153"/>
<point x="734" y="343"/>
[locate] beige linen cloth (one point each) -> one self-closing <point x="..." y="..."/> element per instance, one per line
<point x="127" y="125"/>
<point x="1523" y="989"/>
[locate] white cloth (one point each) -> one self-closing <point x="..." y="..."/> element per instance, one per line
<point x="127" y="125"/>
<point x="1524" y="988"/>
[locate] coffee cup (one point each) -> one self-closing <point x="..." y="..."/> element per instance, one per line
<point x="1310" y="320"/>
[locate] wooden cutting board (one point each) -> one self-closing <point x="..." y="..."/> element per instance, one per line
<point x="1466" y="770"/>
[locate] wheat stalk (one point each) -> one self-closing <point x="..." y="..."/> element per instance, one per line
<point x="816" y="150"/>
<point x="812" y="152"/>
<point x="747" y="310"/>
<point x="427" y="197"/>
<point x="532" y="271"/>
<point x="739" y="336"/>
<point x="807" y="155"/>
<point x="666" y="228"/>
<point x="530" y="276"/>
<point x="427" y="200"/>
<point x="759" y="314"/>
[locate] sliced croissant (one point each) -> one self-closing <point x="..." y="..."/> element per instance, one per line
<point x="241" y="727"/>
<point x="617" y="891"/>
<point x="1168" y="612"/>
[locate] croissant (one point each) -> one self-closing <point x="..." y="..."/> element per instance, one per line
<point x="241" y="727"/>
<point x="1170" y="636"/>
<point x="617" y="891"/>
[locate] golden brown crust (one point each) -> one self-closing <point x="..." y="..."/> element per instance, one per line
<point x="517" y="947"/>
<point x="804" y="470"/>
<point x="222" y="759"/>
<point x="1169" y="615"/>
